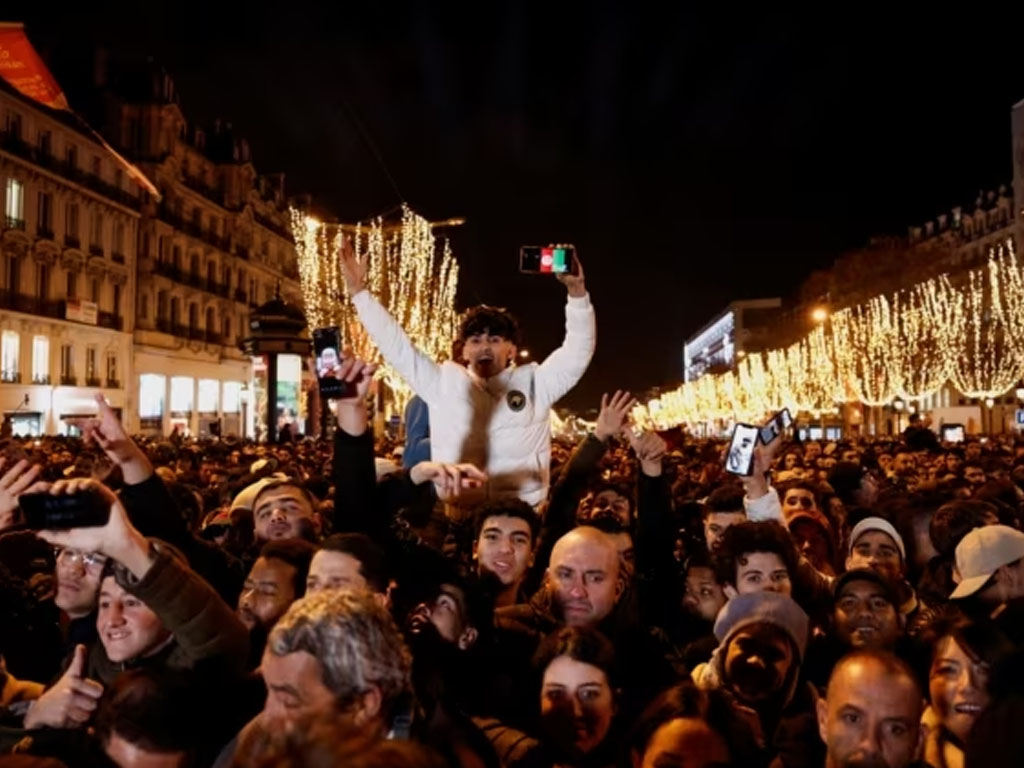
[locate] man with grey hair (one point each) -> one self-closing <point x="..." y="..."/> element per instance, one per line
<point x="335" y="653"/>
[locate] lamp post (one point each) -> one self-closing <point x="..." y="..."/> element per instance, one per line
<point x="989" y="402"/>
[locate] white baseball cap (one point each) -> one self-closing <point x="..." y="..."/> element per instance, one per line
<point x="981" y="553"/>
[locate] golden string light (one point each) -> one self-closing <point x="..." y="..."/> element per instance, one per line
<point x="411" y="273"/>
<point x="909" y="344"/>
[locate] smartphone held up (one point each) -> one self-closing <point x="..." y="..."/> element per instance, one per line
<point x="328" y="350"/>
<point x="548" y="259"/>
<point x="740" y="458"/>
<point x="47" y="512"/>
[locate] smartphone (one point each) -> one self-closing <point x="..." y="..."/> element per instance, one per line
<point x="740" y="459"/>
<point x="778" y="424"/>
<point x="327" y="348"/>
<point x="44" y="511"/>
<point x="953" y="433"/>
<point x="548" y="259"/>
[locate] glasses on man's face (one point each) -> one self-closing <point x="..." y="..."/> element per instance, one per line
<point x="92" y="561"/>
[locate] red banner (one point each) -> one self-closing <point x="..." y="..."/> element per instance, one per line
<point x="21" y="66"/>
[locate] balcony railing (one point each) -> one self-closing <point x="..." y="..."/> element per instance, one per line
<point x="240" y="296"/>
<point x="31" y="305"/>
<point x="196" y="334"/>
<point x="16" y="146"/>
<point x="10" y="377"/>
<point x="72" y="241"/>
<point x="179" y="330"/>
<point x="168" y="270"/>
<point x="92" y="381"/>
<point x="273" y="226"/>
<point x="113" y="384"/>
<point x="214" y="338"/>
<point x="164" y="325"/>
<point x="45" y="379"/>
<point x="43" y="232"/>
<point x="216" y="194"/>
<point x="10" y="222"/>
<point x="117" y="258"/>
<point x="242" y="252"/>
<point x="68" y="381"/>
<point x="95" y="250"/>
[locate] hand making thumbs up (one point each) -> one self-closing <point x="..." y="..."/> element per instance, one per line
<point x="71" y="702"/>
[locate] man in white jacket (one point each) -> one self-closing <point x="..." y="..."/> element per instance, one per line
<point x="484" y="409"/>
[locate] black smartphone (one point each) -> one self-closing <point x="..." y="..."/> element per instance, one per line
<point x="548" y="260"/>
<point x="327" y="348"/>
<point x="778" y="424"/>
<point x="44" y="511"/>
<point x="740" y="459"/>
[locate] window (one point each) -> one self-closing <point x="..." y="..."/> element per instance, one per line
<point x="181" y="394"/>
<point x="112" y="380"/>
<point x="94" y="290"/>
<point x="90" y="364"/>
<point x="144" y="305"/>
<point x="71" y="157"/>
<point x="97" y="166"/>
<point x="13" y="125"/>
<point x="15" y="204"/>
<point x="71" y="222"/>
<point x="40" y="360"/>
<point x="226" y="330"/>
<point x="67" y="367"/>
<point x="96" y="233"/>
<point x="119" y="239"/>
<point x="72" y="284"/>
<point x="45" y="143"/>
<point x="45" y="221"/>
<point x="211" y="320"/>
<point x="144" y="244"/>
<point x="209" y="389"/>
<point x="12" y="274"/>
<point x="232" y="396"/>
<point x="43" y="281"/>
<point x="116" y="309"/>
<point x="9" y="344"/>
<point x="152" y="387"/>
<point x="118" y="178"/>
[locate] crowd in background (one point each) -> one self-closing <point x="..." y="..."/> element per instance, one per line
<point x="485" y="596"/>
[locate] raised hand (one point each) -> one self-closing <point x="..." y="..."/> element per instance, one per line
<point x="107" y="431"/>
<point x="575" y="283"/>
<point x="614" y="414"/>
<point x="450" y="480"/>
<point x="351" y="411"/>
<point x="353" y="267"/>
<point x="14" y="482"/>
<point x="71" y="702"/>
<point x="756" y="485"/>
<point x="118" y="539"/>
<point x="650" y="449"/>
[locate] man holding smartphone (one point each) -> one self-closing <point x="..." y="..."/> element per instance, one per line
<point x="485" y="410"/>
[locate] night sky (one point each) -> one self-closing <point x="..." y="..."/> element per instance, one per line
<point x="693" y="160"/>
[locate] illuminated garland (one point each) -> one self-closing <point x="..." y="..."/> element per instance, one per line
<point x="412" y="275"/>
<point x="908" y="345"/>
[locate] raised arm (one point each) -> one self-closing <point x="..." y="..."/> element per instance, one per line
<point x="419" y="371"/>
<point x="567" y="364"/>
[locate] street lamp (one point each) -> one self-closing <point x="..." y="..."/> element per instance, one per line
<point x="524" y="353"/>
<point x="1019" y="392"/>
<point x="819" y="315"/>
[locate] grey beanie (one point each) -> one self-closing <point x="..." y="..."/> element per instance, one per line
<point x="767" y="608"/>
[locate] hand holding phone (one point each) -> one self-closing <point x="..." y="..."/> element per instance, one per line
<point x="328" y="350"/>
<point x="776" y="426"/>
<point x="740" y="458"/>
<point x="548" y="260"/>
<point x="44" y="511"/>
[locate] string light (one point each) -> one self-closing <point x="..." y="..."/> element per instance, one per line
<point x="414" y="277"/>
<point x="907" y="345"/>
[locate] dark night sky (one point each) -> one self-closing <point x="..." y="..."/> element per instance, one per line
<point x="693" y="160"/>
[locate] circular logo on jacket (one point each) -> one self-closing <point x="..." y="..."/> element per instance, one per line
<point x="516" y="400"/>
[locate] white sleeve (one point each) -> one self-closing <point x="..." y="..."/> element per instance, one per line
<point x="567" y="364"/>
<point x="419" y="371"/>
<point x="767" y="507"/>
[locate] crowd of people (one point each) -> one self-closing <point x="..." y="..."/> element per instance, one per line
<point x="508" y="600"/>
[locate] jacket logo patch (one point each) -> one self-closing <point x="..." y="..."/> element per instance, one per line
<point x="516" y="400"/>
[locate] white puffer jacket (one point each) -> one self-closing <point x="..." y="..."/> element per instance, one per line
<point x="501" y="424"/>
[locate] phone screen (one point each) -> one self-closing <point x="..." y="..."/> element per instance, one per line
<point x="548" y="259"/>
<point x="740" y="459"/>
<point x="327" y="348"/>
<point x="779" y="423"/>
<point x="953" y="433"/>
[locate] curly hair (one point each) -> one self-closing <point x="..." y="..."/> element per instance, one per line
<point x="491" y="320"/>
<point x="742" y="539"/>
<point x="356" y="642"/>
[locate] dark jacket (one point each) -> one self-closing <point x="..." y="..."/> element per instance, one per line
<point x="207" y="635"/>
